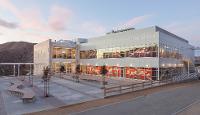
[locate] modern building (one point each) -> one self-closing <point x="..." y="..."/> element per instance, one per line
<point x="149" y="53"/>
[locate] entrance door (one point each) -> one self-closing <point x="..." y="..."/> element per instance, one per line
<point x="122" y="72"/>
<point x="68" y="68"/>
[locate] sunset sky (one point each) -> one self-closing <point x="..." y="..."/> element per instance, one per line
<point x="38" y="20"/>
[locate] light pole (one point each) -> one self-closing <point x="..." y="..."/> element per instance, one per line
<point x="147" y="66"/>
<point x="18" y="69"/>
<point x="188" y="68"/>
<point x="30" y="75"/>
<point x="14" y="70"/>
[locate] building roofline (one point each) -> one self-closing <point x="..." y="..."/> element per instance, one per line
<point x="156" y="29"/>
<point x="171" y="34"/>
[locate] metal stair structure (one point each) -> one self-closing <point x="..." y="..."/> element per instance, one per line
<point x="193" y="74"/>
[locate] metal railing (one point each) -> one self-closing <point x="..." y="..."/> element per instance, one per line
<point x="126" y="88"/>
<point x="121" y="89"/>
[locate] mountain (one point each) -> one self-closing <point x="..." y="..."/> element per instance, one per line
<point x="16" y="52"/>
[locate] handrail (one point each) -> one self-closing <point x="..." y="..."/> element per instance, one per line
<point x="133" y="87"/>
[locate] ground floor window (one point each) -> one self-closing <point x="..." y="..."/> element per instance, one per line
<point x="56" y="67"/>
<point x="141" y="73"/>
<point x="68" y="67"/>
<point x="128" y="72"/>
<point x="166" y="73"/>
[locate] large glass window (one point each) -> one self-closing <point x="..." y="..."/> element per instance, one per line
<point x="169" y="72"/>
<point x="135" y="52"/>
<point x="57" y="52"/>
<point x="141" y="73"/>
<point x="65" y="53"/>
<point x="167" y="51"/>
<point x="130" y="72"/>
<point x="56" y="67"/>
<point x="68" y="67"/>
<point x="88" y="54"/>
<point x="120" y="52"/>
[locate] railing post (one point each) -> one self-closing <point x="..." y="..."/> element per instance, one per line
<point x="151" y="83"/>
<point x="18" y="70"/>
<point x="143" y="85"/>
<point x="132" y="87"/>
<point x="104" y="90"/>
<point x="120" y="89"/>
<point x="14" y="70"/>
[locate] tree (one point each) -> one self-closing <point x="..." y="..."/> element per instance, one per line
<point x="46" y="78"/>
<point x="62" y="69"/>
<point x="103" y="72"/>
<point x="77" y="72"/>
<point x="78" y="69"/>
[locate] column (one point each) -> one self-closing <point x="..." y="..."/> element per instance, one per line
<point x="30" y="69"/>
<point x="124" y="72"/>
<point x="14" y="69"/>
<point x="158" y="54"/>
<point x="188" y="72"/>
<point x="18" y="69"/>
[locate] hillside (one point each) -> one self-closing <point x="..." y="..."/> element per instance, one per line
<point x="16" y="52"/>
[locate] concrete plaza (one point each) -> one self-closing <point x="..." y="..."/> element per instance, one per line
<point x="62" y="92"/>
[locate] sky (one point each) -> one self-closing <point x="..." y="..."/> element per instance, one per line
<point x="38" y="20"/>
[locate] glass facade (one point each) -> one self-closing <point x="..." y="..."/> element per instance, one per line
<point x="64" y="53"/>
<point x="166" y="73"/>
<point x="120" y="52"/>
<point x="56" y="67"/>
<point x="128" y="72"/>
<point x="167" y="51"/>
<point x="88" y="54"/>
<point x="170" y="70"/>
<point x="144" y="73"/>
<point x="141" y="73"/>
<point x="68" y="67"/>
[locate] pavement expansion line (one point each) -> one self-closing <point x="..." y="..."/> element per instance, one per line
<point x="75" y="90"/>
<point x="93" y="108"/>
<point x="186" y="107"/>
<point x="2" y="107"/>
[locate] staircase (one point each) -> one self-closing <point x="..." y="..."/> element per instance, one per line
<point x="185" y="76"/>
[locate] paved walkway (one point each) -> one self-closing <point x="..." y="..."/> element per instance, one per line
<point x="154" y="99"/>
<point x="2" y="108"/>
<point x="167" y="102"/>
<point x="192" y="109"/>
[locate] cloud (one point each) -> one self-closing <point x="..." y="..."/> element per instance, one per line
<point x="32" y="25"/>
<point x="188" y="30"/>
<point x="89" y="29"/>
<point x="6" y="4"/>
<point x="132" y="22"/>
<point x="31" y="22"/>
<point x="28" y="19"/>
<point x="59" y="18"/>
<point x="7" y="24"/>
